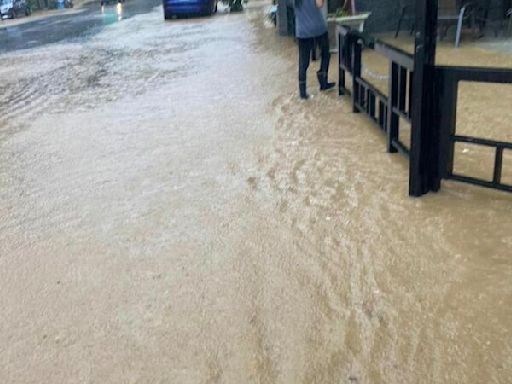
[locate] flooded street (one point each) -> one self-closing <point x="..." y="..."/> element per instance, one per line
<point x="170" y="212"/>
<point x="57" y="25"/>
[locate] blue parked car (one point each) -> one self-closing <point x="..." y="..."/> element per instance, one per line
<point x="189" y="7"/>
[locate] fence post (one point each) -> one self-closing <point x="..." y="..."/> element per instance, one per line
<point x="421" y="170"/>
<point x="341" y="56"/>
<point x="392" y="121"/>
<point x="446" y="118"/>
<point x="402" y="89"/>
<point x="356" y="72"/>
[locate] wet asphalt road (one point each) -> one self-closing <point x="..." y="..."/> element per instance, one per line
<point x="64" y="27"/>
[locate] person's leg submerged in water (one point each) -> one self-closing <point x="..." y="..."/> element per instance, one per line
<point x="322" y="74"/>
<point x="304" y="57"/>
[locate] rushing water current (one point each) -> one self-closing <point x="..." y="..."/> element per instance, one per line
<point x="170" y="212"/>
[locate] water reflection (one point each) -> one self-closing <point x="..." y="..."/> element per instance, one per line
<point x="119" y="9"/>
<point x="111" y="17"/>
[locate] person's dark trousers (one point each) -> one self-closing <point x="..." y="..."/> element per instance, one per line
<point x="322" y="74"/>
<point x="323" y="43"/>
<point x="305" y="47"/>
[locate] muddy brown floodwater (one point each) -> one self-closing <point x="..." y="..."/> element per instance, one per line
<point x="171" y="213"/>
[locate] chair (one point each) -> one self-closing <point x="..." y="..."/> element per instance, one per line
<point x="406" y="14"/>
<point x="495" y="18"/>
<point x="506" y="13"/>
<point x="451" y="13"/>
<point x="509" y="20"/>
<point x="455" y="13"/>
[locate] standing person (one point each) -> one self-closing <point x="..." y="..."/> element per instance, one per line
<point x="311" y="29"/>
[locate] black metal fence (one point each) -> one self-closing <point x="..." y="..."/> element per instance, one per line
<point x="389" y="111"/>
<point x="447" y="84"/>
<point x="385" y="110"/>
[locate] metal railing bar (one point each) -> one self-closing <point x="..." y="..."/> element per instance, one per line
<point x="480" y="141"/>
<point x="372" y="87"/>
<point x="480" y="182"/>
<point x="400" y="147"/>
<point x="402" y="114"/>
<point x="397" y="55"/>
<point x="477" y="74"/>
<point x="498" y="165"/>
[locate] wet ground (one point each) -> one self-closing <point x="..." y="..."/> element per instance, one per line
<point x="88" y="20"/>
<point x="171" y="213"/>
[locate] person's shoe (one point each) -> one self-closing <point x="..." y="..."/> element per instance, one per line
<point x="302" y="91"/>
<point x="327" y="86"/>
<point x="324" y="84"/>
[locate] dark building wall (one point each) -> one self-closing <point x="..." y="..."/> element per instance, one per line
<point x="285" y="17"/>
<point x="499" y="7"/>
<point x="384" y="16"/>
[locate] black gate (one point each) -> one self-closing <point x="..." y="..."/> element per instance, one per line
<point x="433" y="128"/>
<point x="385" y="110"/>
<point x="447" y="84"/>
